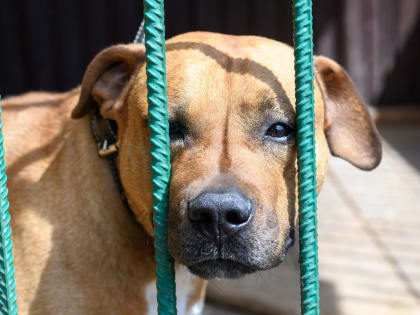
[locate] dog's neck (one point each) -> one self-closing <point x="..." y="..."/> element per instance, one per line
<point x="132" y="248"/>
<point x="105" y="133"/>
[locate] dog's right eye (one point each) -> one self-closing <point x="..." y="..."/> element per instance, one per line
<point x="280" y="132"/>
<point x="176" y="131"/>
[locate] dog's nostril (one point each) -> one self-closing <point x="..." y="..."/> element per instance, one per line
<point x="205" y="218"/>
<point x="220" y="214"/>
<point x="201" y="215"/>
<point x="235" y="217"/>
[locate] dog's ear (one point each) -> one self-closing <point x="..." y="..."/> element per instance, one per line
<point x="350" y="131"/>
<point x="105" y="78"/>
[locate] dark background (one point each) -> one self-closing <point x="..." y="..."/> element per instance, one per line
<point x="46" y="44"/>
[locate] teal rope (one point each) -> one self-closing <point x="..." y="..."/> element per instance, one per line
<point x="159" y="138"/>
<point x="8" y="297"/>
<point x="308" y="256"/>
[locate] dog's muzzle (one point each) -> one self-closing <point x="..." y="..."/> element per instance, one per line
<point x="219" y="216"/>
<point x="224" y="233"/>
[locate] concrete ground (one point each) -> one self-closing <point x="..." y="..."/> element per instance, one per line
<point x="369" y="243"/>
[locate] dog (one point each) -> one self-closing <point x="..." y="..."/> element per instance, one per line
<point x="82" y="230"/>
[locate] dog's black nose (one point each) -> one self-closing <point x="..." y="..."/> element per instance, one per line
<point x="220" y="214"/>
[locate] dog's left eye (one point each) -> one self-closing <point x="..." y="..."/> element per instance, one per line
<point x="176" y="131"/>
<point x="280" y="132"/>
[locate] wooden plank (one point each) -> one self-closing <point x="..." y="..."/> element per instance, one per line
<point x="208" y="16"/>
<point x="237" y="17"/>
<point x="12" y="72"/>
<point x="125" y="19"/>
<point x="358" y="24"/>
<point x="38" y="48"/>
<point x="66" y="37"/>
<point x="48" y="44"/>
<point x="327" y="28"/>
<point x="177" y="14"/>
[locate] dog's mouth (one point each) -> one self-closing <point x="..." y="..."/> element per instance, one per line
<point x="290" y="241"/>
<point x="228" y="264"/>
<point x="221" y="268"/>
<point x="230" y="268"/>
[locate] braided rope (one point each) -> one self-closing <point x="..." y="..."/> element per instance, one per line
<point x="8" y="296"/>
<point x="308" y="256"/>
<point x="140" y="36"/>
<point x="159" y="138"/>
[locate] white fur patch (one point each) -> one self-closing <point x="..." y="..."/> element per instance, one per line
<point x="184" y="287"/>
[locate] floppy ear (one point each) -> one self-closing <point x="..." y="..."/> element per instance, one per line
<point x="350" y="131"/>
<point x="105" y="78"/>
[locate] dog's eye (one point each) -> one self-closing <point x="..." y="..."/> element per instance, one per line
<point x="280" y="132"/>
<point x="176" y="131"/>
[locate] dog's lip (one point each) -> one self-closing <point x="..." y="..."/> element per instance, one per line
<point x="290" y="241"/>
<point x="221" y="268"/>
<point x="224" y="261"/>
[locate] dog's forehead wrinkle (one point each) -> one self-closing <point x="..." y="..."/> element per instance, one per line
<point x="267" y="106"/>
<point x="225" y="157"/>
<point x="240" y="65"/>
<point x="281" y="102"/>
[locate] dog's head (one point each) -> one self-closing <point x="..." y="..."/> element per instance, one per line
<point x="233" y="192"/>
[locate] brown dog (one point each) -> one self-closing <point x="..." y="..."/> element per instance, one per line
<point x="78" y="250"/>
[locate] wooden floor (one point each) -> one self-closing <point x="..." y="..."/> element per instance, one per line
<point x="369" y="240"/>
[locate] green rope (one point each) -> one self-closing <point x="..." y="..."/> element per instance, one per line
<point x="308" y="256"/>
<point x="159" y="138"/>
<point x="8" y="297"/>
